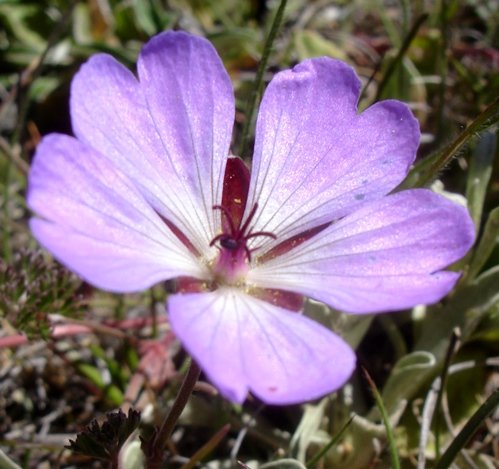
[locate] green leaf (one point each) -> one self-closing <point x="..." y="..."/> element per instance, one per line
<point x="311" y="44"/>
<point x="416" y="367"/>
<point x="237" y="46"/>
<point x="82" y="24"/>
<point x="284" y="464"/>
<point x="351" y="327"/>
<point x="118" y="373"/>
<point x="394" y="64"/>
<point x="464" y="310"/>
<point x="479" y="174"/>
<point x="488" y="330"/>
<point x="468" y="430"/>
<point x="360" y="435"/>
<point x="92" y="373"/>
<point x="114" y="395"/>
<point x="6" y="462"/>
<point x="43" y="87"/>
<point x="258" y="85"/>
<point x="307" y="429"/>
<point x="388" y="21"/>
<point x="144" y="15"/>
<point x="16" y="20"/>
<point x="315" y="459"/>
<point x="488" y="241"/>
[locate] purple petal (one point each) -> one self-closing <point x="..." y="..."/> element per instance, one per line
<point x="245" y="344"/>
<point x="385" y="256"/>
<point x="95" y="221"/>
<point x="170" y="132"/>
<point x="315" y="158"/>
<point x="190" y="98"/>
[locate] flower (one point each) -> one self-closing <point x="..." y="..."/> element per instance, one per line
<point x="147" y="191"/>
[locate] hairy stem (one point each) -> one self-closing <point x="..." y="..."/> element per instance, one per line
<point x="258" y="85"/>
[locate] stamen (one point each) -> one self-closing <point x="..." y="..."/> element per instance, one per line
<point x="235" y="237"/>
<point x="250" y="217"/>
<point x="262" y="233"/>
<point x="217" y="238"/>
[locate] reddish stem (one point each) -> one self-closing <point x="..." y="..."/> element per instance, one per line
<point x="70" y="329"/>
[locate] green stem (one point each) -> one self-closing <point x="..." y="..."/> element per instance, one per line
<point x="400" y="55"/>
<point x="427" y="169"/>
<point x="258" y="85"/>
<point x="443" y="63"/>
<point x="34" y="71"/>
<point x="451" y="350"/>
<point x="468" y="430"/>
<point x="155" y="448"/>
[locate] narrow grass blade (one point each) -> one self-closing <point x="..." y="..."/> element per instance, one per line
<point x="429" y="407"/>
<point x="386" y="422"/>
<point x="400" y="55"/>
<point x="406" y="14"/>
<point x="433" y="404"/>
<point x="207" y="448"/>
<point x="468" y="430"/>
<point x="283" y="464"/>
<point x="451" y="351"/>
<point x="442" y="65"/>
<point x="315" y="459"/>
<point x="6" y="462"/>
<point x="33" y="72"/>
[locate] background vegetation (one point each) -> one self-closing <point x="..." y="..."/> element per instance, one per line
<point x="70" y="354"/>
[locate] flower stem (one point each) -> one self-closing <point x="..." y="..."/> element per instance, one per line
<point x="155" y="447"/>
<point x="258" y="85"/>
<point x="400" y="55"/>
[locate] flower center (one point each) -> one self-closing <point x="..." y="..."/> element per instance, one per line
<point x="236" y="237"/>
<point x="235" y="254"/>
